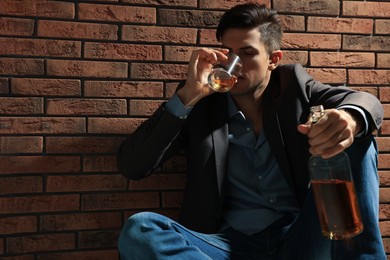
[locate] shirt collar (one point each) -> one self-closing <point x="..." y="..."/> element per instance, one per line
<point x="232" y="107"/>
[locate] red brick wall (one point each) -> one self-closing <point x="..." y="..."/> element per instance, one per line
<point x="77" y="76"/>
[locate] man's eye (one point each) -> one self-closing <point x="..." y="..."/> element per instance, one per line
<point x="249" y="53"/>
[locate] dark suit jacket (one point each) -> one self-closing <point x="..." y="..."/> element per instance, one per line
<point x="204" y="138"/>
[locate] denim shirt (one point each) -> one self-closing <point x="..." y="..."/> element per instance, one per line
<point x="257" y="193"/>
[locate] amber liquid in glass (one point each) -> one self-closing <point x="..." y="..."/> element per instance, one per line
<point x="337" y="208"/>
<point x="221" y="81"/>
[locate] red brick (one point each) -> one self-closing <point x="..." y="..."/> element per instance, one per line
<point x="340" y="25"/>
<point x="99" y="163"/>
<point x="160" y="182"/>
<point x="4" y="86"/>
<point x="366" y="43"/>
<point x="81" y="221"/>
<point x="159" y="34"/>
<point x="80" y="30"/>
<point x="384" y="195"/>
<point x="19" y="257"/>
<point x="40" y="8"/>
<point x="382" y="26"/>
<point x="39" y="203"/>
<point x="311" y="41"/>
<point x="86" y="106"/>
<point x="385" y="130"/>
<point x="373" y="77"/>
<point x="342" y="59"/>
<point x="372" y="90"/>
<point x="188" y="3"/>
<point x="143" y="107"/>
<point x="375" y="9"/>
<point x="17" y="66"/>
<point x="46" y="87"/>
<point x="329" y="76"/>
<point x="326" y="7"/>
<point x="21" y="106"/>
<point x="18" y="185"/>
<point x="37" y="243"/>
<point x="293" y="22"/>
<point x="130" y="89"/>
<point x="170" y="89"/>
<point x="123" y="51"/>
<point x="384" y="94"/>
<point x="40" y="47"/>
<point x="384" y="162"/>
<point x="78" y="183"/>
<point x="383" y="142"/>
<point x="118" y="13"/>
<point x="82" y="144"/>
<point x="42" y="125"/>
<point x="21" y="144"/>
<point x="227" y="4"/>
<point x="386" y="244"/>
<point x="178" y="53"/>
<point x="113" y="125"/>
<point x="384" y="211"/>
<point x="83" y="255"/>
<point x="75" y="68"/>
<point x="384" y="228"/>
<point x="172" y="199"/>
<point x="39" y="164"/>
<point x="207" y="37"/>
<point x="16" y="26"/>
<point x="158" y="71"/>
<point x="383" y="60"/>
<point x="189" y="18"/>
<point x="99" y="239"/>
<point x="171" y="213"/>
<point x="300" y="57"/>
<point x="122" y="201"/>
<point x="18" y="224"/>
<point x="384" y="178"/>
<point x="386" y="108"/>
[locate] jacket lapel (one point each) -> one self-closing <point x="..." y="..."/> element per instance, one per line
<point x="219" y="126"/>
<point x="272" y="127"/>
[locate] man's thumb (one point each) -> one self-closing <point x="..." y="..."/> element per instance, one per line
<point x="304" y="128"/>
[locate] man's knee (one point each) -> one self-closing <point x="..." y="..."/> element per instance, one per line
<point x="137" y="235"/>
<point x="139" y="224"/>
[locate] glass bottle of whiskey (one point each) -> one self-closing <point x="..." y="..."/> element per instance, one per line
<point x="334" y="192"/>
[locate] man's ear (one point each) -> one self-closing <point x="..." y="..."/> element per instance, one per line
<point x="274" y="59"/>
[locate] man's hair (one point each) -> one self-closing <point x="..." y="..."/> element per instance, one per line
<point x="250" y="16"/>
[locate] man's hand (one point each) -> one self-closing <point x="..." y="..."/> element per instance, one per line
<point x="333" y="133"/>
<point x="199" y="67"/>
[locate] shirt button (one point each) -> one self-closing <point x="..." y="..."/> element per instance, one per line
<point x="260" y="177"/>
<point x="248" y="129"/>
<point x="271" y="201"/>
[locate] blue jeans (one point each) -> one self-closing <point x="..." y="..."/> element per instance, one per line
<point x="153" y="236"/>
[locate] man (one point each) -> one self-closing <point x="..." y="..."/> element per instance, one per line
<point x="247" y="194"/>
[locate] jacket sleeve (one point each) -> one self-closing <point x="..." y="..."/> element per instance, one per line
<point x="154" y="141"/>
<point x="333" y="97"/>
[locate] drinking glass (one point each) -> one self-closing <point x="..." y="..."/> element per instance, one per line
<point x="224" y="73"/>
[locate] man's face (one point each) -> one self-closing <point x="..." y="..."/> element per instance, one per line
<point x="255" y="71"/>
